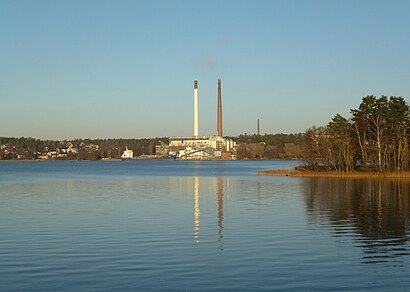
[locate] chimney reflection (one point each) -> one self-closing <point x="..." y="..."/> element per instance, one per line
<point x="197" y="211"/>
<point x="220" y="188"/>
<point x="219" y="183"/>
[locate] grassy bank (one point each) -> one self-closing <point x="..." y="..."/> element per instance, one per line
<point x="306" y="173"/>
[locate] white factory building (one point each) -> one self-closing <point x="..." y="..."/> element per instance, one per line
<point x="202" y="148"/>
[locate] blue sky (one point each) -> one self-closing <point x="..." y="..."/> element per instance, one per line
<point x="103" y="69"/>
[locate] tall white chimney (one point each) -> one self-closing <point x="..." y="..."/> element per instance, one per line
<point x="196" y="128"/>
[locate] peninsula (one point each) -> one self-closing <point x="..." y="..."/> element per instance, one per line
<point x="373" y="142"/>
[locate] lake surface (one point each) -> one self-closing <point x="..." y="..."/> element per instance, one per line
<point x="186" y="225"/>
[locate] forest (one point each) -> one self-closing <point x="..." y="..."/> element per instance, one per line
<point x="374" y="138"/>
<point x="78" y="149"/>
<point x="267" y="146"/>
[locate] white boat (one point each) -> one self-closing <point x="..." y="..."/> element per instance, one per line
<point x="127" y="154"/>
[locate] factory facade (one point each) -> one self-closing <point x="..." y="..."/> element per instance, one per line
<point x="201" y="147"/>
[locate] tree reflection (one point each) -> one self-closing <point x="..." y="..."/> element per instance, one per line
<point x="375" y="212"/>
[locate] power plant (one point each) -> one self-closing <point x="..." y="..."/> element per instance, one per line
<point x="201" y="147"/>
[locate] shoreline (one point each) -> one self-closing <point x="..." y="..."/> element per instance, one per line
<point x="47" y="160"/>
<point x="331" y="174"/>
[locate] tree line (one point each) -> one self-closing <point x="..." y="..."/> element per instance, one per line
<point x="268" y="146"/>
<point x="249" y="146"/>
<point x="374" y="138"/>
<point x="85" y="149"/>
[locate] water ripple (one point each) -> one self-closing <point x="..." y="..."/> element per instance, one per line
<point x="103" y="228"/>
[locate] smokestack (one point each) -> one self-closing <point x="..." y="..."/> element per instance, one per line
<point x="219" y="122"/>
<point x="196" y="128"/>
<point x="258" y="129"/>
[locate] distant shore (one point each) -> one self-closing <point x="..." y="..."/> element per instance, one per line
<point x="21" y="160"/>
<point x="334" y="174"/>
<point x="45" y="160"/>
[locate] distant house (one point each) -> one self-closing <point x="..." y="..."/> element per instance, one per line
<point x="43" y="157"/>
<point x="9" y="148"/>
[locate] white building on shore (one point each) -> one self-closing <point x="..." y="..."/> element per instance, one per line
<point x="202" y="148"/>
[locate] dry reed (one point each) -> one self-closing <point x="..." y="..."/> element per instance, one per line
<point x="356" y="174"/>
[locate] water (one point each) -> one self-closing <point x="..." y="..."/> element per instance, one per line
<point x="212" y="225"/>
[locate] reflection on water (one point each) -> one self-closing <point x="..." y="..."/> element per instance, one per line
<point x="197" y="210"/>
<point x="373" y="212"/>
<point x="220" y="210"/>
<point x="113" y="226"/>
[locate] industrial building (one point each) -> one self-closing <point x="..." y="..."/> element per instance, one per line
<point x="201" y="147"/>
